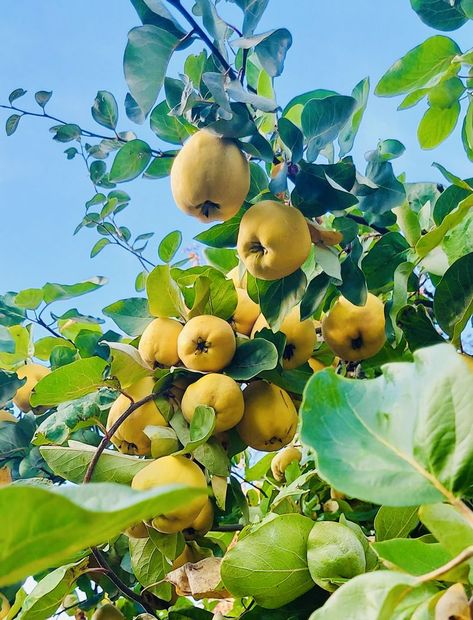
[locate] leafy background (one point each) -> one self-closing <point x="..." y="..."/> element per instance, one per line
<point x="85" y="43"/>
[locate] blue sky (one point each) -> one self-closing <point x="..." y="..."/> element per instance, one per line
<point x="76" y="48"/>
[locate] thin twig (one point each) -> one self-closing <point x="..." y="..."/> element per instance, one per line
<point x="234" y="473"/>
<point x="436" y="574"/>
<point x="112" y="430"/>
<point x="204" y="36"/>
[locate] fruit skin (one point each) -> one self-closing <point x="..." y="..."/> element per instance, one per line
<point x="273" y="240"/>
<point x="33" y="373"/>
<point x="469" y="360"/>
<point x="355" y="332"/>
<point x="221" y="393"/>
<point x="202" y="523"/>
<point x="245" y="314"/>
<point x="283" y="459"/>
<point x="107" y="612"/>
<point x="6" y="416"/>
<point x="130" y="438"/>
<point x="139" y="530"/>
<point x="334" y="552"/>
<point x="315" y="364"/>
<point x="300" y="338"/>
<point x="158" y="343"/>
<point x="270" y="419"/>
<point x="206" y="343"/>
<point x="4" y="606"/>
<point x="173" y="470"/>
<point x="210" y="177"/>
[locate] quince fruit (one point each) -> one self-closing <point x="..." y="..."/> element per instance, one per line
<point x="206" y="343"/>
<point x="273" y="240"/>
<point x="32" y="373"/>
<point x="130" y="438"/>
<point x="355" y="332"/>
<point x="173" y="470"/>
<point x="270" y="418"/>
<point x="245" y="314"/>
<point x="158" y="343"/>
<point x="282" y="460"/>
<point x="221" y="393"/>
<point x="210" y="177"/>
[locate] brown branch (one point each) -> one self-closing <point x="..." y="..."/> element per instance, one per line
<point x="436" y="574"/>
<point x="112" y="430"/>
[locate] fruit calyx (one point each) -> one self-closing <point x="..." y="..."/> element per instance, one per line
<point x="257" y="248"/>
<point x="357" y="343"/>
<point x="289" y="350"/>
<point x="201" y="346"/>
<point x="208" y="207"/>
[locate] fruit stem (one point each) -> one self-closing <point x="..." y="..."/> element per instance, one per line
<point x="436" y="574"/>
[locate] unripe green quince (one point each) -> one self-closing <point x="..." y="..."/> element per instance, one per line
<point x="334" y="553"/>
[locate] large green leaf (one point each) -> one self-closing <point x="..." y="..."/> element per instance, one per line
<point x="401" y="439"/>
<point x="453" y="301"/>
<point x="9" y="384"/>
<point x="105" y="109"/>
<point x="52" y="524"/>
<point x="437" y="124"/>
<point x="163" y="293"/>
<point x="278" y="297"/>
<point x="147" y="54"/>
<point x="418" y="67"/>
<point x="49" y="592"/>
<point x="55" y="292"/>
<point x="381" y="261"/>
<point x="439" y="14"/>
<point x="448" y="525"/>
<point x="168" y="127"/>
<point x="373" y="596"/>
<point x="347" y="135"/>
<point x="222" y="235"/>
<point x="131" y="315"/>
<point x="71" y="463"/>
<point x="270" y="563"/>
<point x="207" y="291"/>
<point x="130" y="161"/>
<point x="391" y="522"/>
<point x="251" y="358"/>
<point x="69" y="382"/>
<point x="149" y="563"/>
<point x="390" y="192"/>
<point x="322" y="120"/>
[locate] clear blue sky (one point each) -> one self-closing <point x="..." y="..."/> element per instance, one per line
<point x="76" y="48"/>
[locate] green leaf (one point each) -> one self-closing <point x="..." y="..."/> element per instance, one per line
<point x="390" y="149"/>
<point x="398" y="438"/>
<point x="452" y="177"/>
<point x="391" y="522"/>
<point x="48" y="594"/>
<point x="435" y="236"/>
<point x="222" y="235"/>
<point x="66" y="133"/>
<point x="446" y="93"/>
<point x="417" y="327"/>
<point x="131" y="315"/>
<point x="292" y="137"/>
<point x="98" y="247"/>
<point x="347" y="135"/>
<point x="322" y="120"/>
<point x="72" y="463"/>
<point x="20" y="336"/>
<point x="223" y="259"/>
<point x="448" y="526"/>
<point x="390" y="192"/>
<point x="270" y="563"/>
<point x="353" y="285"/>
<point x="169" y="246"/>
<point x="71" y="416"/>
<point x="54" y="523"/>
<point x="29" y="298"/>
<point x="453" y="300"/>
<point x="207" y="291"/>
<point x="418" y="67"/>
<point x="155" y="12"/>
<point x="293" y="109"/>
<point x="278" y="297"/>
<point x="55" y="292"/>
<point x="163" y="293"/>
<point x="436" y="125"/>
<point x="150" y="565"/>
<point x="251" y="358"/>
<point x="16" y="94"/>
<point x="147" y="54"/>
<point x="412" y="98"/>
<point x="15" y="438"/>
<point x="272" y="50"/>
<point x="355" y="598"/>
<point x="439" y="14"/>
<point x="160" y="167"/>
<point x="130" y="161"/>
<point x="259" y="469"/>
<point x="415" y="556"/>
<point x="168" y="127"/>
<point x="42" y="97"/>
<point x="381" y="261"/>
<point x="9" y="384"/>
<point x="12" y="124"/>
<point x="314" y="295"/>
<point x="69" y="382"/>
<point x="127" y="365"/>
<point x="467" y="131"/>
<point x="105" y="109"/>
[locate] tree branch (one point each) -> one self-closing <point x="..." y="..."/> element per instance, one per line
<point x="361" y="220"/>
<point x="228" y="527"/>
<point x="204" y="36"/>
<point x="465" y="555"/>
<point x="112" y="430"/>
<point x="84" y="132"/>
